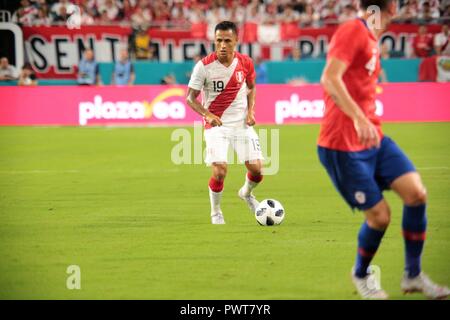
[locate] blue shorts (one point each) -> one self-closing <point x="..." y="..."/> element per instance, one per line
<point x="360" y="177"/>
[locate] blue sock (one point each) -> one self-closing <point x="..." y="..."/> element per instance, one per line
<point x="414" y="227"/>
<point x="368" y="241"/>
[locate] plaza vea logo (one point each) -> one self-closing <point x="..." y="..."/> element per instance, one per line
<point x="158" y="108"/>
<point x="296" y="108"/>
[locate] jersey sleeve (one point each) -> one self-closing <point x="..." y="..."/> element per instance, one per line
<point x="198" y="77"/>
<point x="347" y="42"/>
<point x="251" y="74"/>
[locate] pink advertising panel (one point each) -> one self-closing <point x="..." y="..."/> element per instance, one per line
<point x="165" y="105"/>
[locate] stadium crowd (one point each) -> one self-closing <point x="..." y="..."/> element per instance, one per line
<point x="179" y="13"/>
<point x="145" y="14"/>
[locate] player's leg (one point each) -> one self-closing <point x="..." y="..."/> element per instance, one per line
<point x="411" y="190"/>
<point x="413" y="193"/>
<point x="246" y="145"/>
<point x="399" y="174"/>
<point x="253" y="177"/>
<point x="219" y="172"/>
<point x="216" y="157"/>
<point x="352" y="174"/>
<point x="370" y="235"/>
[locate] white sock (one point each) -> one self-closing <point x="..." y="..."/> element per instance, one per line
<point x="249" y="185"/>
<point x="214" y="198"/>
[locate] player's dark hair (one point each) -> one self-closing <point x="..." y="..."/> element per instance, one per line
<point x="226" y="25"/>
<point x="382" y="4"/>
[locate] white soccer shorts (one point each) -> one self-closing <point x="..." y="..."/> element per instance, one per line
<point x="244" y="141"/>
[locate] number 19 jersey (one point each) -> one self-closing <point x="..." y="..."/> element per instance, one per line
<point x="225" y="88"/>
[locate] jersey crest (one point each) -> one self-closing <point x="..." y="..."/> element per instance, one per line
<point x="239" y="76"/>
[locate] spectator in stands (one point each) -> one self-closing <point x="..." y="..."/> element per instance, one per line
<point x="422" y="43"/>
<point x="348" y="13"/>
<point x="179" y="7"/>
<point x="427" y="13"/>
<point x="254" y="14"/>
<point x="42" y="18"/>
<point x="329" y="12"/>
<point x="295" y="55"/>
<point x="161" y="14"/>
<point x="103" y="19"/>
<point x="299" y="5"/>
<point x="27" y="76"/>
<point x="384" y="51"/>
<point x="61" y="15"/>
<point x="127" y="11"/>
<point x="169" y="79"/>
<point x="309" y="18"/>
<point x="179" y="20"/>
<point x="142" y="44"/>
<point x="444" y="5"/>
<point x="289" y="15"/>
<point x="446" y="12"/>
<point x="7" y="71"/>
<point x="88" y="71"/>
<point x="85" y="18"/>
<point x="25" y="14"/>
<point x="442" y="42"/>
<point x="61" y="10"/>
<point x="142" y="16"/>
<point x="123" y="70"/>
<point x="236" y="13"/>
<point x="197" y="14"/>
<point x="111" y="8"/>
<point x="261" y="71"/>
<point x="408" y="12"/>
<point x="270" y="15"/>
<point x="213" y="17"/>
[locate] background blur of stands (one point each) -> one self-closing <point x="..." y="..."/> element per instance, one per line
<point x="270" y="30"/>
<point x="399" y="70"/>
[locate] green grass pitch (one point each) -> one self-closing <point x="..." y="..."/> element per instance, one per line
<point x="138" y="226"/>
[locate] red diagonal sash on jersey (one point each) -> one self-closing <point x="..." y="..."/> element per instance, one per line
<point x="227" y="96"/>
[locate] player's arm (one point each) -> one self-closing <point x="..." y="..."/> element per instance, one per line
<point x="195" y="105"/>
<point x="251" y="99"/>
<point x="334" y="85"/>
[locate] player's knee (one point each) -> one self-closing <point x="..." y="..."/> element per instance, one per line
<point x="380" y="222"/>
<point x="416" y="197"/>
<point x="380" y="218"/>
<point x="384" y="220"/>
<point x="220" y="172"/>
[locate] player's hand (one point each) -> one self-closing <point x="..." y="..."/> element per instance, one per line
<point x="251" y="118"/>
<point x="367" y="133"/>
<point x="213" y="120"/>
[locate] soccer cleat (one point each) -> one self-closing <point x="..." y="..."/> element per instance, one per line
<point x="250" y="199"/>
<point x="368" y="287"/>
<point x="217" y="218"/>
<point x="422" y="283"/>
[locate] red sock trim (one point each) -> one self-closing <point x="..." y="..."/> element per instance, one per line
<point x="255" y="179"/>
<point x="414" y="236"/>
<point x="366" y="253"/>
<point x="215" y="185"/>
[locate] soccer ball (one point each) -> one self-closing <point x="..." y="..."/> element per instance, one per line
<point x="269" y="212"/>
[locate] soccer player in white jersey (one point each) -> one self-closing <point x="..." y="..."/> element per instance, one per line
<point x="228" y="109"/>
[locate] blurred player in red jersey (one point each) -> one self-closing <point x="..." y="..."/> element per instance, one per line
<point x="228" y="81"/>
<point x="361" y="161"/>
